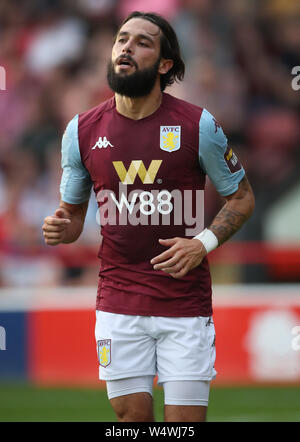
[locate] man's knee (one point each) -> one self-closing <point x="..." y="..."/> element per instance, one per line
<point x="185" y="413"/>
<point x="136" y="407"/>
<point x="131" y="398"/>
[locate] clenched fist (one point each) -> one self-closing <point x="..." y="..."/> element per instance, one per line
<point x="55" y="227"/>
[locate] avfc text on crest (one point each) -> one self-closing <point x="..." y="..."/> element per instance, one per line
<point x="170" y="138"/>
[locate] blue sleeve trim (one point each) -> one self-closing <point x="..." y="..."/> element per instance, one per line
<point x="212" y="148"/>
<point x="76" y="184"/>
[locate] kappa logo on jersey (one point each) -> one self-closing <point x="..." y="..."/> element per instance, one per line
<point x="104" y="352"/>
<point x="137" y="167"/>
<point x="102" y="143"/>
<point x="170" y="138"/>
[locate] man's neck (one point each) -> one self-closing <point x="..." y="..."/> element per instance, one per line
<point x="138" y="108"/>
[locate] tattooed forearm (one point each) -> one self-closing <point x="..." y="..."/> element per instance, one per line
<point x="226" y="223"/>
<point x="237" y="209"/>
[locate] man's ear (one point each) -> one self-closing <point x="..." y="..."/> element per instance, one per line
<point x="165" y="65"/>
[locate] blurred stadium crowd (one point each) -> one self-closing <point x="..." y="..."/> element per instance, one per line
<point x="239" y="55"/>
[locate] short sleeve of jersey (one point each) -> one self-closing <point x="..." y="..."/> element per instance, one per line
<point x="75" y="186"/>
<point x="216" y="159"/>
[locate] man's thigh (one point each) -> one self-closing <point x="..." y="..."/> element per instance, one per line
<point x="131" y="398"/>
<point x="185" y="364"/>
<point x="186" y="401"/>
<point x="124" y="348"/>
<point x="186" y="349"/>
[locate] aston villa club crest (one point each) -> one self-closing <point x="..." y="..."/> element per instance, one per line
<point x="170" y="138"/>
<point x="104" y="352"/>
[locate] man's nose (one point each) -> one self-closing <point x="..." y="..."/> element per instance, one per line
<point x="128" y="47"/>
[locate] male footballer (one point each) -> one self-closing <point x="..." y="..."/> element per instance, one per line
<point x="146" y="154"/>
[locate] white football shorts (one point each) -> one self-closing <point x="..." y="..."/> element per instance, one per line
<point x="173" y="348"/>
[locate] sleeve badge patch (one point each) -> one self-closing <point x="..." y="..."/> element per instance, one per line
<point x="232" y="160"/>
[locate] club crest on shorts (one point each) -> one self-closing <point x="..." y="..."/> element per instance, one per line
<point x="104" y="352"/>
<point x="170" y="138"/>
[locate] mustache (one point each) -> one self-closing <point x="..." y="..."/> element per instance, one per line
<point x="128" y="58"/>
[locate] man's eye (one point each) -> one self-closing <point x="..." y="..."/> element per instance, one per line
<point x="143" y="44"/>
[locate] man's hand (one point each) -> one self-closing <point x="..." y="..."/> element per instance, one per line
<point x="55" y="227"/>
<point x="182" y="256"/>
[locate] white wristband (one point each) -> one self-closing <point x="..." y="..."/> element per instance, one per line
<point x="208" y="239"/>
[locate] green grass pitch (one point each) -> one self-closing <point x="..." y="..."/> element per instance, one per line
<point x="28" y="403"/>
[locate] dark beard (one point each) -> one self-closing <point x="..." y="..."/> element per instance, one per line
<point x="138" y="84"/>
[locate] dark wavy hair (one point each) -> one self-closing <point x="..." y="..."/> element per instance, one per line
<point x="169" y="46"/>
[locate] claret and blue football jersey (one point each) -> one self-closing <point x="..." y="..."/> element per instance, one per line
<point x="148" y="176"/>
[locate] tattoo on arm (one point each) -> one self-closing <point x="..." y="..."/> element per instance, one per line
<point x="226" y="223"/>
<point x="234" y="213"/>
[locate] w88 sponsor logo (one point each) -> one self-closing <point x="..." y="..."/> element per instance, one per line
<point x="158" y="207"/>
<point x="147" y="206"/>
